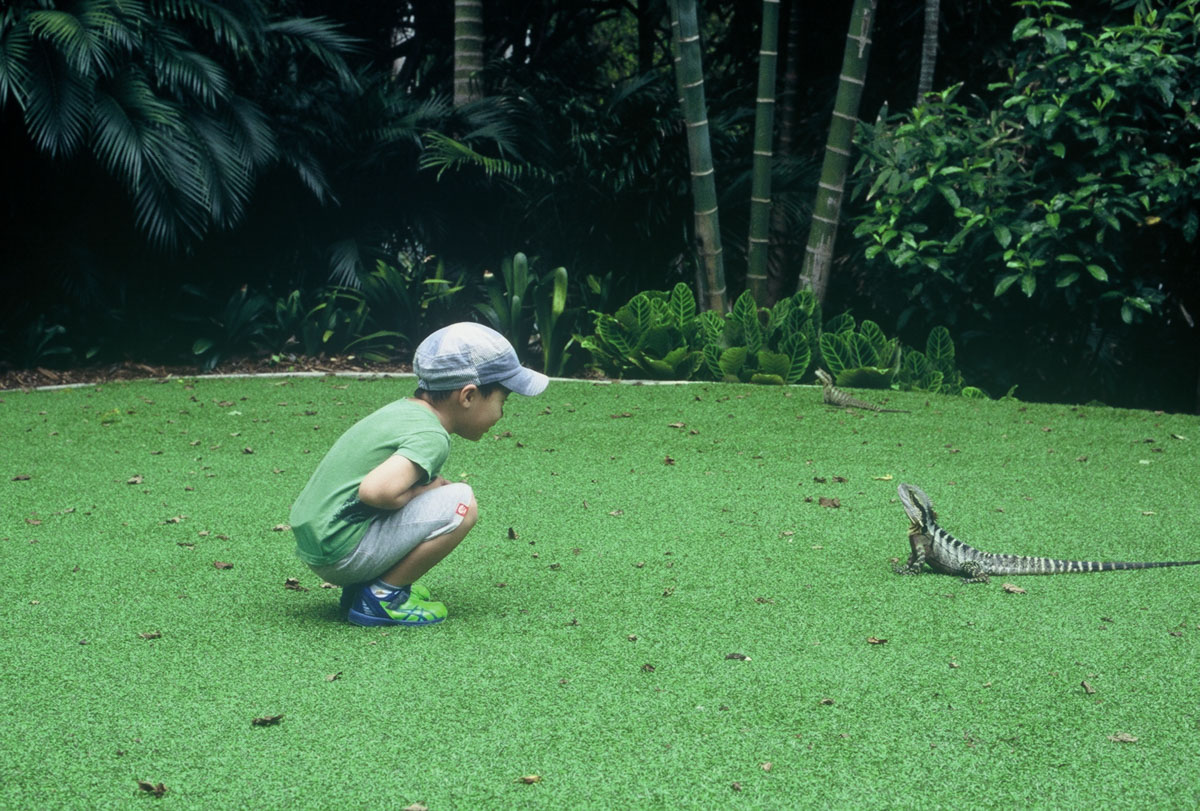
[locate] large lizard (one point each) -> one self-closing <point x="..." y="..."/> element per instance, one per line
<point x="944" y="553"/>
<point x="831" y="395"/>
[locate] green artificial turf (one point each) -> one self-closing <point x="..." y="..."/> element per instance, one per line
<point x="630" y="539"/>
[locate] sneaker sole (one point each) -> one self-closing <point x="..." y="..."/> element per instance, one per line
<point x="368" y="621"/>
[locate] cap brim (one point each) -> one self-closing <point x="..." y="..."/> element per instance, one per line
<point x="526" y="382"/>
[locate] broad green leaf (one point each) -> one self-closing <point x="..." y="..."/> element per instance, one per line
<point x="1005" y="283"/>
<point x="1028" y="284"/>
<point x="939" y="348"/>
<point x="1099" y="273"/>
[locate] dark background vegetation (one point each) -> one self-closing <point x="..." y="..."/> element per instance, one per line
<point x="580" y="117"/>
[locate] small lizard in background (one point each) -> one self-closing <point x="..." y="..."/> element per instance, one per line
<point x="831" y="395"/>
<point x="946" y="554"/>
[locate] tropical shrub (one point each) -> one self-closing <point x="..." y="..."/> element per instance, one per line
<point x="763" y="345"/>
<point x="527" y="308"/>
<point x="656" y="335"/>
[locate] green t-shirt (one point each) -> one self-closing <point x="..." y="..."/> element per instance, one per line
<point x="328" y="519"/>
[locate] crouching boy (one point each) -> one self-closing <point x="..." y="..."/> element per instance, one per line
<point x="377" y="515"/>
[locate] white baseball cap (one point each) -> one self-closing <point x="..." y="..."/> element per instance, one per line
<point x="467" y="353"/>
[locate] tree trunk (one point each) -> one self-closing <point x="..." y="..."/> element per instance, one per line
<point x="704" y="185"/>
<point x="785" y="244"/>
<point x="818" y="259"/>
<point x="468" y="51"/>
<point x="929" y="49"/>
<point x="764" y="134"/>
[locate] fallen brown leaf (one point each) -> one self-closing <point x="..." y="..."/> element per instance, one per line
<point x="668" y="461"/>
<point x="135" y="479"/>
<point x="22" y="477"/>
<point x="281" y="528"/>
<point x="647" y="668"/>
<point x="334" y="676"/>
<point x="530" y="779"/>
<point x="829" y="502"/>
<point x="1087" y="688"/>
<point x="267" y="720"/>
<point x="678" y="425"/>
<point x="1013" y="589"/>
<point x="766" y="767"/>
<point x="151" y="635"/>
<point x="826" y="702"/>
<point x="157" y="789"/>
<point x="874" y="640"/>
<point x="1122" y="737"/>
<point x="414" y="807"/>
<point x="739" y="656"/>
<point x="220" y="564"/>
<point x="293" y="584"/>
<point x="512" y="534"/>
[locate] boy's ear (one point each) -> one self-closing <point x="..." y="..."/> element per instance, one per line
<point x="467" y="394"/>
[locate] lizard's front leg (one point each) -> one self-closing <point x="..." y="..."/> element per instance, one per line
<point x="915" y="562"/>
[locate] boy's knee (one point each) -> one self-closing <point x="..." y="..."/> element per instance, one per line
<point x="467" y="508"/>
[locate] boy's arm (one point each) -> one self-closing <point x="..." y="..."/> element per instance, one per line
<point x="391" y="485"/>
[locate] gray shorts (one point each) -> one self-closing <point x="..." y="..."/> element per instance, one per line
<point x="392" y="536"/>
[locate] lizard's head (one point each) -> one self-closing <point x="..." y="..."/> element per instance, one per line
<point x="917" y="506"/>
<point x="824" y="377"/>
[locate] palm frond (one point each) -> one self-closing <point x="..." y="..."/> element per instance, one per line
<point x="78" y="38"/>
<point x="15" y="42"/>
<point x="236" y="24"/>
<point x="57" y="103"/>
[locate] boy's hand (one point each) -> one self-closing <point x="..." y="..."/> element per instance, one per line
<point x="393" y="484"/>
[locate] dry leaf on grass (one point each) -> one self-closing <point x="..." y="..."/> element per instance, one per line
<point x="874" y="640"/>
<point x="512" y="534"/>
<point x="281" y="528"/>
<point x="334" y="676"/>
<point x="1122" y="737"/>
<point x="157" y="789"/>
<point x="1087" y="688"/>
<point x="267" y="720"/>
<point x="1013" y="589"/>
<point x="220" y="564"/>
<point x="530" y="779"/>
<point x="647" y="668"/>
<point x="293" y="584"/>
<point x="135" y="479"/>
<point x="151" y="635"/>
<point x="415" y="807"/>
<point x="739" y="656"/>
<point x="829" y="502"/>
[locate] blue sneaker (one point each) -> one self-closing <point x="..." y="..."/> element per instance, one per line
<point x="401" y="607"/>
<point x="350" y="596"/>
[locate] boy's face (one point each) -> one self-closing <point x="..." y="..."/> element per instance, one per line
<point x="480" y="413"/>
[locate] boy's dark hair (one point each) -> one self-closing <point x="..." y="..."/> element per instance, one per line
<point x="486" y="389"/>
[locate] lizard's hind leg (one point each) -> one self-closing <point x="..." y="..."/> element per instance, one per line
<point x="974" y="572"/>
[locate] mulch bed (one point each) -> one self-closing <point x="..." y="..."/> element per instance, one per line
<point x="11" y="379"/>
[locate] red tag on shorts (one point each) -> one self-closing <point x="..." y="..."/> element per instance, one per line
<point x="462" y="509"/>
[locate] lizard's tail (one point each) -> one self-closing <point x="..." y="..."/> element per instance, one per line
<point x="1020" y="564"/>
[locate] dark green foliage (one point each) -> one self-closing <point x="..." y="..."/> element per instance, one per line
<point x="859" y="358"/>
<point x="239" y="324"/>
<point x="412" y="298"/>
<point x="933" y="370"/>
<point x="523" y="306"/>
<point x="152" y="91"/>
<point x="764" y="345"/>
<point x="655" y="335"/>
<point x="1057" y="209"/>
